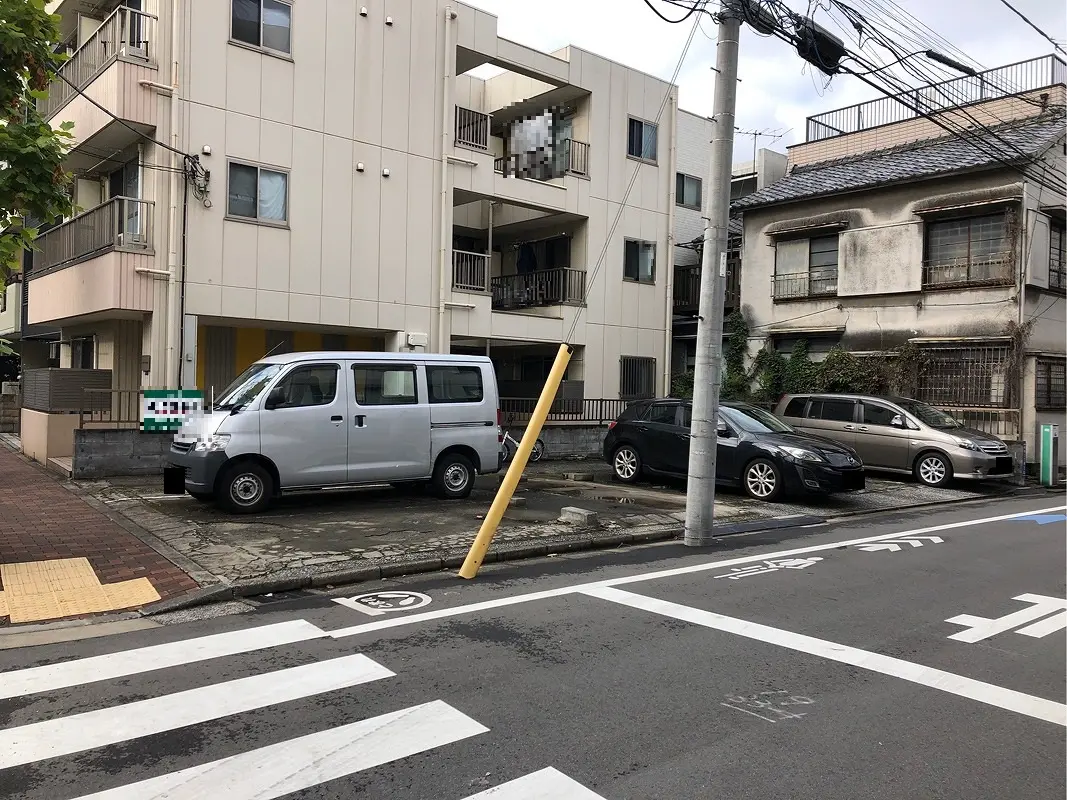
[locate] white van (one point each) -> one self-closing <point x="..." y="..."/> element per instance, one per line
<point x="306" y="421"/>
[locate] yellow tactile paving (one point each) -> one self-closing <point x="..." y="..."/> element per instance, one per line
<point x="66" y="587"/>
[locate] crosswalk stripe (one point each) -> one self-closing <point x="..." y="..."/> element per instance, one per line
<point x="545" y="784"/>
<point x="78" y="732"/>
<point x="300" y="763"/>
<point x="146" y="659"/>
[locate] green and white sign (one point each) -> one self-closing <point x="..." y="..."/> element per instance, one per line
<point x="169" y="409"/>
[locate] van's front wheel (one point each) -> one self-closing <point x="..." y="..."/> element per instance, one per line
<point x="453" y="476"/>
<point x="245" y="488"/>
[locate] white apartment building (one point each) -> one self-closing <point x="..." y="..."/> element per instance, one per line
<point x="356" y="188"/>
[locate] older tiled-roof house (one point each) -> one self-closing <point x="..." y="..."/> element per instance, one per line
<point x="901" y="232"/>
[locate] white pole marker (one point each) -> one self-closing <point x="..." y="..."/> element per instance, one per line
<point x="73" y="734"/>
<point x="307" y="761"/>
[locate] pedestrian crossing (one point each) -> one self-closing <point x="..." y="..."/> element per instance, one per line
<point x="276" y="770"/>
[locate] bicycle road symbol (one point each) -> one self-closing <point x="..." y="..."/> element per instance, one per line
<point x="378" y="603"/>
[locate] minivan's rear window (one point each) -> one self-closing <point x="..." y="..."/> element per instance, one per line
<point x="454" y="384"/>
<point x="833" y="410"/>
<point x="795" y="407"/>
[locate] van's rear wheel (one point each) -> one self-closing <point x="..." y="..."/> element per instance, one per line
<point x="453" y="476"/>
<point x="245" y="488"/>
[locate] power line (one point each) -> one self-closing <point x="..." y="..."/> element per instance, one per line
<point x="1023" y="17"/>
<point x="693" y="9"/>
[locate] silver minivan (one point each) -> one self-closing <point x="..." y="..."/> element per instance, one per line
<point x="317" y="420"/>
<point x="897" y="434"/>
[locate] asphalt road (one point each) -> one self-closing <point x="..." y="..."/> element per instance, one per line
<point x="921" y="655"/>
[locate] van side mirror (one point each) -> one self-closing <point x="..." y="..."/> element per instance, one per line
<point x="897" y="421"/>
<point x="275" y="398"/>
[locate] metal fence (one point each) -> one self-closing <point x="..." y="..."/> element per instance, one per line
<point x="470" y="271"/>
<point x="121" y="222"/>
<point x="546" y="287"/>
<point x="967" y="377"/>
<point x="472" y="128"/>
<point x="111" y="408"/>
<point x="571" y="157"/>
<point x="1005" y="81"/>
<point x="126" y="32"/>
<point x="813" y="283"/>
<point x="600" y="411"/>
<point x="993" y="270"/>
<point x="1001" y="422"/>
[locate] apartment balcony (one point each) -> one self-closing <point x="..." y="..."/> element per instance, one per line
<point x="549" y="287"/>
<point x="812" y="284"/>
<point x="572" y="159"/>
<point x="11" y="309"/>
<point x="472" y="129"/>
<point x="957" y="273"/>
<point x="108" y="68"/>
<point x="99" y="261"/>
<point x="470" y="271"/>
<point x="686" y="300"/>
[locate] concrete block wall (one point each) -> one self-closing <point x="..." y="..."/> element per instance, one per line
<point x="572" y="441"/>
<point x="110" y="453"/>
<point x="9" y="413"/>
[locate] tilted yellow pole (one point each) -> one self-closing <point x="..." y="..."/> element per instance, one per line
<point x="522" y="454"/>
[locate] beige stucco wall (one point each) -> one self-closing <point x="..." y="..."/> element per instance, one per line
<point x="46" y="436"/>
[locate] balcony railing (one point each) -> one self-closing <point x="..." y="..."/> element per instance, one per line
<point x="472" y="128"/>
<point x="470" y="271"/>
<point x="992" y="270"/>
<point x="572" y="159"/>
<point x="548" y="287"/>
<point x="1004" y="81"/>
<point x="687" y="287"/>
<point x="121" y="223"/>
<point x="798" y="285"/>
<point x="126" y="32"/>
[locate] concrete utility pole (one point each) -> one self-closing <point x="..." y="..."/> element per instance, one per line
<point x="707" y="378"/>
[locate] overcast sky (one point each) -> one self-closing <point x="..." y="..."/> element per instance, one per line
<point x="778" y="90"/>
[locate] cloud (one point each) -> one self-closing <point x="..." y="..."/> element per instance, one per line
<point x="777" y="89"/>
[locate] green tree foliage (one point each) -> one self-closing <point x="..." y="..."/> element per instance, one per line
<point x="736" y="381"/>
<point x="33" y="184"/>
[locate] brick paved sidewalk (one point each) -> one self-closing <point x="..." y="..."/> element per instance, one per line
<point x="60" y="557"/>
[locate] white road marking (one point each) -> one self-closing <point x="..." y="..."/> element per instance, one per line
<point x="745" y="710"/>
<point x="545" y="784"/>
<point x="78" y="732"/>
<point x="147" y="659"/>
<point x="501" y="602"/>
<point x="1008" y="699"/>
<point x="896" y="544"/>
<point x="297" y="764"/>
<point x="982" y="628"/>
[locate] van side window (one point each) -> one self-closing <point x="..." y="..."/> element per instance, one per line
<point x="833" y="410"/>
<point x="877" y="415"/>
<point x="455" y="384"/>
<point x="312" y="385"/>
<point x="385" y="385"/>
<point x="795" y="407"/>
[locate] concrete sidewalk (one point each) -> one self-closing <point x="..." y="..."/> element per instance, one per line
<point x="60" y="557"/>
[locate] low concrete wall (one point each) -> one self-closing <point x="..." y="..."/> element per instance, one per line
<point x="10" y="413"/>
<point x="109" y="453"/>
<point x="571" y="441"/>
<point x="46" y="436"/>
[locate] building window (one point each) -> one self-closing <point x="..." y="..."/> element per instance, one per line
<point x="642" y="140"/>
<point x="639" y="261"/>
<point x="1051" y="385"/>
<point x="966" y="377"/>
<point x="83" y="352"/>
<point x="262" y="23"/>
<point x="637" y="377"/>
<point x="822" y="265"/>
<point x="687" y="191"/>
<point x="973" y="250"/>
<point x="806" y="268"/>
<point x="258" y="193"/>
<point x="1057" y="261"/>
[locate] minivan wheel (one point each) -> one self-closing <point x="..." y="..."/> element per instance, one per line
<point x="246" y="488"/>
<point x="626" y="464"/>
<point x="453" y="476"/>
<point x="933" y="469"/>
<point x="762" y="480"/>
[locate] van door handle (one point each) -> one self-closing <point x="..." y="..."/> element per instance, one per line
<point x="360" y="420"/>
<point x="850" y="427"/>
<point x="336" y="418"/>
<point x="864" y="428"/>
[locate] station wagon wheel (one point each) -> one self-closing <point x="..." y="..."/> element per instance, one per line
<point x="246" y="488"/>
<point x="933" y="469"/>
<point x="626" y="464"/>
<point x="453" y="476"/>
<point x="762" y="481"/>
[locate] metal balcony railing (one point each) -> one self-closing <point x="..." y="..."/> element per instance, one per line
<point x="470" y="271"/>
<point x="126" y="32"/>
<point x="687" y="288"/>
<point x="548" y="287"/>
<point x="121" y="223"/>
<point x="472" y="128"/>
<point x="1005" y="81"/>
<point x="572" y="158"/>
<point x="992" y="270"/>
<point x="813" y="283"/>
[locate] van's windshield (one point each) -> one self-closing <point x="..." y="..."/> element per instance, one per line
<point x="927" y="414"/>
<point x="246" y="387"/>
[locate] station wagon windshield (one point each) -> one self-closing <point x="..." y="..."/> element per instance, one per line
<point x="934" y="417"/>
<point x="246" y="387"/>
<point x="754" y="420"/>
